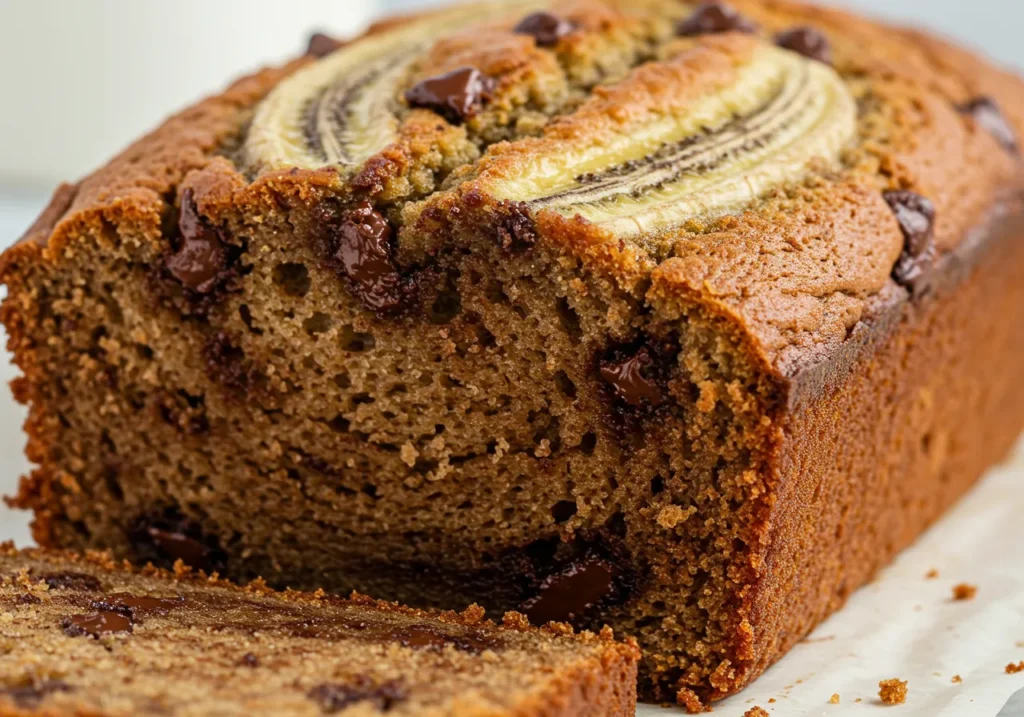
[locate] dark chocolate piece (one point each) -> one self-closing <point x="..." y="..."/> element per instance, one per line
<point x="72" y="581"/>
<point x="334" y="697"/>
<point x="807" y="41"/>
<point x="545" y="27"/>
<point x="362" y="246"/>
<point x="455" y="95"/>
<point x="423" y="637"/>
<point x="250" y="660"/>
<point x="200" y="257"/>
<point x="714" y="17"/>
<point x="136" y="605"/>
<point x="321" y="45"/>
<point x="916" y="217"/>
<point x="989" y="117"/>
<point x="97" y="624"/>
<point x="165" y="539"/>
<point x="28" y="696"/>
<point x="568" y="594"/>
<point x="630" y="379"/>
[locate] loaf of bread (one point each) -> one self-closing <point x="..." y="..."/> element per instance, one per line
<point x="89" y="636"/>
<point x="682" y="318"/>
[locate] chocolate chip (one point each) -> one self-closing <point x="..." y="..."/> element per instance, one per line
<point x="171" y="537"/>
<point x="362" y="247"/>
<point x="630" y="378"/>
<point x="72" y="581"/>
<point x="227" y="364"/>
<point x="97" y="624"/>
<point x="568" y="594"/>
<point x="806" y="41"/>
<point x="515" y="227"/>
<point x="334" y="697"/>
<point x="546" y="28"/>
<point x="138" y="605"/>
<point x="27" y="599"/>
<point x="249" y="660"/>
<point x="200" y="258"/>
<point x="987" y="114"/>
<point x="712" y="18"/>
<point x="321" y="45"/>
<point x="916" y="217"/>
<point x="29" y="695"/>
<point x="423" y="637"/>
<point x="455" y="95"/>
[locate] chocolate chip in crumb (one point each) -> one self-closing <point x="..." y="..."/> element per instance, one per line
<point x="138" y="605"/>
<point x="334" y="697"/>
<point x="362" y="247"/>
<point x="72" y="581"/>
<point x="546" y="28"/>
<point x="165" y="539"/>
<point x="454" y="95"/>
<point x="33" y="692"/>
<point x="423" y="637"/>
<point x="987" y="114"/>
<point x="200" y="258"/>
<point x="806" y="41"/>
<point x="249" y="660"/>
<point x="713" y="18"/>
<point x="916" y="217"/>
<point x="321" y="45"/>
<point x="568" y="594"/>
<point x="630" y="379"/>
<point x="97" y="624"/>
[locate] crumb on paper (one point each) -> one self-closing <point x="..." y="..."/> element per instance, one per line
<point x="931" y="574"/>
<point x="771" y="700"/>
<point x="964" y="591"/>
<point x="756" y="712"/>
<point x="834" y="699"/>
<point x="957" y="679"/>
<point x="1013" y="669"/>
<point x="893" y="692"/>
<point x="689" y="700"/>
<point x="858" y="700"/>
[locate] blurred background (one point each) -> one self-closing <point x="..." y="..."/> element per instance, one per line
<point x="82" y="78"/>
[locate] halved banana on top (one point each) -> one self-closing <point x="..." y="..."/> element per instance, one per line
<point x="781" y="113"/>
<point x="342" y="110"/>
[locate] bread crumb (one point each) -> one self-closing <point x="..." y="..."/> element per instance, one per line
<point x="964" y="591"/>
<point x="931" y="574"/>
<point x="1013" y="669"/>
<point x="771" y="700"/>
<point x="858" y="700"/>
<point x="893" y="692"/>
<point x="689" y="700"/>
<point x="956" y="680"/>
<point x="756" y="712"/>
<point x="672" y="515"/>
<point x="834" y="699"/>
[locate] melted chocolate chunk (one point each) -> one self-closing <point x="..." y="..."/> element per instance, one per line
<point x="97" y="624"/>
<point x="631" y="379"/>
<point x="164" y="540"/>
<point x="806" y="41"/>
<point x="72" y="581"/>
<point x="200" y="258"/>
<point x="249" y="660"/>
<point x="362" y="247"/>
<point x="454" y="95"/>
<point x="424" y="637"/>
<point x="27" y="599"/>
<point x="916" y="217"/>
<point x="712" y="18"/>
<point x="989" y="117"/>
<point x="546" y="28"/>
<point x="568" y="594"/>
<point x="28" y="696"/>
<point x="321" y="45"/>
<point x="334" y="697"/>
<point x="515" y="226"/>
<point x="138" y="605"/>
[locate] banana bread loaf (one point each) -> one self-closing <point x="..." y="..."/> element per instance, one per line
<point x="682" y="318"/>
<point x="85" y="635"/>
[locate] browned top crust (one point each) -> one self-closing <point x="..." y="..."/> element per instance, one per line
<point x="795" y="267"/>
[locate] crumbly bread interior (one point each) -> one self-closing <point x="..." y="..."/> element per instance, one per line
<point x="89" y="637"/>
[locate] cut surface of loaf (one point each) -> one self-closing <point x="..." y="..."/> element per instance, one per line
<point x="682" y="318"/>
<point x="87" y="635"/>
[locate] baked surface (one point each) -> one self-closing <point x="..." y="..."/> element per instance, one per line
<point x="86" y="635"/>
<point x="679" y="318"/>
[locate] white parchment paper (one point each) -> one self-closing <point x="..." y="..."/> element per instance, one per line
<point x="908" y="626"/>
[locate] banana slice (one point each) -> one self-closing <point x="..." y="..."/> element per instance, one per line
<point x="344" y="109"/>
<point x="782" y="113"/>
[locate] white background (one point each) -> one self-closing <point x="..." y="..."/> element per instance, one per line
<point x="81" y="78"/>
